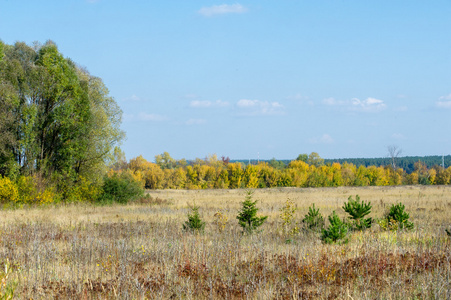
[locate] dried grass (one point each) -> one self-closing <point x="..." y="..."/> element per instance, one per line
<point x="139" y="251"/>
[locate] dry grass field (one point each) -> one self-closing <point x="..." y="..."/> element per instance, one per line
<point x="139" y="251"/>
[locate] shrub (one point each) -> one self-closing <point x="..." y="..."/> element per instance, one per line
<point x="247" y="216"/>
<point x="287" y="215"/>
<point x="84" y="190"/>
<point x="336" y="231"/>
<point x="221" y="220"/>
<point x="31" y="191"/>
<point x="396" y="218"/>
<point x="358" y="210"/>
<point x="8" y="190"/>
<point x="313" y="220"/>
<point x="120" y="188"/>
<point x="194" y="223"/>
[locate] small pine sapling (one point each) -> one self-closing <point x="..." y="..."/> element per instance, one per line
<point x="336" y="231"/>
<point x="313" y="220"/>
<point x="247" y="216"/>
<point x="194" y="223"/>
<point x="396" y="218"/>
<point x="358" y="210"/>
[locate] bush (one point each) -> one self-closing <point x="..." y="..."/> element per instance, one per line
<point x="313" y="220"/>
<point x="120" y="188"/>
<point x="396" y="218"/>
<point x="8" y="190"/>
<point x="358" y="210"/>
<point x="287" y="215"/>
<point x="337" y="230"/>
<point x="247" y="216"/>
<point x="31" y="191"/>
<point x="194" y="223"/>
<point x="83" y="190"/>
<point x="221" y="220"/>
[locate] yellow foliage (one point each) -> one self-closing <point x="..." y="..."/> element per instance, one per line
<point x="8" y="190"/>
<point x="251" y="176"/>
<point x="221" y="221"/>
<point x="432" y="175"/>
<point x="84" y="190"/>
<point x="30" y="191"/>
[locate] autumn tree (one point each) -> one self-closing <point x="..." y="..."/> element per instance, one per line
<point x="315" y="160"/>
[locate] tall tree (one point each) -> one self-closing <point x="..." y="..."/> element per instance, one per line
<point x="56" y="119"/>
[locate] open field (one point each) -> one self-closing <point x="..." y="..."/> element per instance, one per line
<point x="140" y="251"/>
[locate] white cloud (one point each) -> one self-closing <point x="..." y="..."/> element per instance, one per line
<point x="444" y="102"/>
<point x="368" y="105"/>
<point x="132" y="98"/>
<point x="324" y="139"/>
<point x="198" y="103"/>
<point x="257" y="107"/>
<point x="447" y="97"/>
<point x="150" y="117"/>
<point x="222" y="9"/>
<point x="196" y="122"/>
<point x="332" y="102"/>
<point x="247" y="103"/>
<point x="206" y="103"/>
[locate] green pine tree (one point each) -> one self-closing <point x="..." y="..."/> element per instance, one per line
<point x="358" y="210"/>
<point x="247" y="216"/>
<point x="194" y="223"/>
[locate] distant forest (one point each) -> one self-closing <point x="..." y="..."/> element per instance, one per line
<point x="406" y="163"/>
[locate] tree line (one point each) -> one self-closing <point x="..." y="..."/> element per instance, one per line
<point x="306" y="171"/>
<point x="407" y="163"/>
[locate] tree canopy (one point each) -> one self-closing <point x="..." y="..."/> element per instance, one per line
<point x="56" y="119"/>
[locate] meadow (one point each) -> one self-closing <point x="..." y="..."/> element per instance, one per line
<point x="140" y="251"/>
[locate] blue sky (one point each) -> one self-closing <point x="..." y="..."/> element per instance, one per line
<point x="248" y="79"/>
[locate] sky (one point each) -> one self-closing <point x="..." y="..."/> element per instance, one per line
<point x="260" y="79"/>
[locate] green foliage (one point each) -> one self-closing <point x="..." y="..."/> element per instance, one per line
<point x="313" y="220"/>
<point x="358" y="210"/>
<point x="336" y="232"/>
<point x="120" y="188"/>
<point x="247" y="216"/>
<point x="396" y="218"/>
<point x="302" y="157"/>
<point x="194" y="223"/>
<point x="315" y="160"/>
<point x="56" y="119"/>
